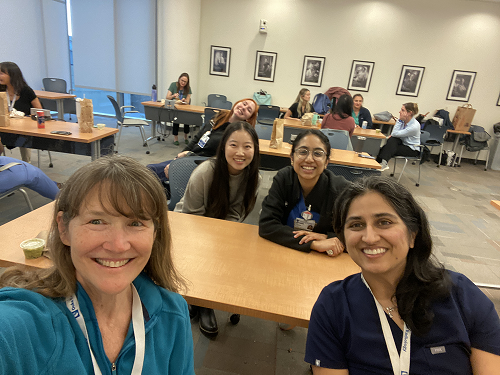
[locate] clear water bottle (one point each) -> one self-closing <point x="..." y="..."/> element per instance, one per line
<point x="154" y="94"/>
<point x="364" y="124"/>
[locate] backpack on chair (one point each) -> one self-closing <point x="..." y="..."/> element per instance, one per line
<point x="321" y="104"/>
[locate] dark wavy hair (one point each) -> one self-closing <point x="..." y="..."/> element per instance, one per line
<point x="343" y="107"/>
<point x="424" y="279"/>
<point x="322" y="137"/>
<point x="219" y="189"/>
<point x="16" y="76"/>
<point x="186" y="88"/>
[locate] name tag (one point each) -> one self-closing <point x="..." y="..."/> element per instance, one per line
<point x="438" y="350"/>
<point x="204" y="139"/>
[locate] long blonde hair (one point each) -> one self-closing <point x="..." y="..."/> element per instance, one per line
<point x="117" y="179"/>
<point x="300" y="102"/>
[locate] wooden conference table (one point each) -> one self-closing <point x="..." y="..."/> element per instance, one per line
<point x="495" y="204"/>
<point x="230" y="268"/>
<point x="341" y="157"/>
<point x="385" y="126"/>
<point x="24" y="132"/>
<point x="58" y="97"/>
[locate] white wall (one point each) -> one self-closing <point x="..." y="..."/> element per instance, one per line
<point x="22" y="39"/>
<point x="178" y="44"/>
<point x="439" y="35"/>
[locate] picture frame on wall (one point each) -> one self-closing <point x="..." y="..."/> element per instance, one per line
<point x="220" y="59"/>
<point x="461" y="85"/>
<point x="361" y="75"/>
<point x="265" y="66"/>
<point x="410" y="80"/>
<point x="312" y="71"/>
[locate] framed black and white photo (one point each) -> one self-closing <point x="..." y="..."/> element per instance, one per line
<point x="461" y="85"/>
<point x="410" y="80"/>
<point x="265" y="66"/>
<point x="220" y="57"/>
<point x="361" y="75"/>
<point x="312" y="71"/>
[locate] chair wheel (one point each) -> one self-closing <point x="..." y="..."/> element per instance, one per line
<point x="417" y="184"/>
<point x="235" y="318"/>
<point x="147" y="152"/>
<point x="392" y="174"/>
<point x="52" y="165"/>
<point x="144" y="145"/>
<point x="157" y="138"/>
<point x="438" y="166"/>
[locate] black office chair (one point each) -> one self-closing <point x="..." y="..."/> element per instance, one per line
<point x="424" y="136"/>
<point x="436" y="137"/>
<point x="339" y="139"/>
<point x="264" y="131"/>
<point x="267" y="114"/>
<point x="121" y="121"/>
<point x="58" y="85"/>
<point x="477" y="141"/>
<point x="209" y="114"/>
<point x="213" y="98"/>
<point x="178" y="175"/>
<point x="19" y="188"/>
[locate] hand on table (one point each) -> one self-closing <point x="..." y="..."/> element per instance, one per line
<point x="332" y="246"/>
<point x="308" y="236"/>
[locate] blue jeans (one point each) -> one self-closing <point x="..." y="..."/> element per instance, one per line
<point x="159" y="169"/>
<point x="27" y="175"/>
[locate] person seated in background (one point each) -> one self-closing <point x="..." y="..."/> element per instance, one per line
<point x="180" y="90"/>
<point x="109" y="303"/>
<point x="404" y="313"/>
<point x="340" y="116"/>
<point x="405" y="136"/>
<point x="360" y="113"/>
<point x="224" y="188"/>
<point x="22" y="173"/>
<point x="297" y="212"/>
<point x="301" y="105"/>
<point x="206" y="141"/>
<point x="20" y="96"/>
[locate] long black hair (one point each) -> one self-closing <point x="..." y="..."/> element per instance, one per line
<point x="343" y="107"/>
<point x="219" y="189"/>
<point x="16" y="76"/>
<point x="424" y="279"/>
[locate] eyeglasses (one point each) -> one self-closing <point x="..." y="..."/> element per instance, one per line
<point x="303" y="153"/>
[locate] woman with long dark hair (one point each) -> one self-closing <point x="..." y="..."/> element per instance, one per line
<point x="206" y="141"/>
<point x="403" y="308"/>
<point x="224" y="187"/>
<point x="180" y="90"/>
<point x="297" y="212"/>
<point x="20" y="96"/>
<point x="340" y="116"/>
<point x="361" y="114"/>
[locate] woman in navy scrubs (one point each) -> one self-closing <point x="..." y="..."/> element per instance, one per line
<point x="404" y="313"/>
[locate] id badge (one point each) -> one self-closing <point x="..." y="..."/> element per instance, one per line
<point x="303" y="224"/>
<point x="204" y="139"/>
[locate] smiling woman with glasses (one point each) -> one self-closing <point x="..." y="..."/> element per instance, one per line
<point x="297" y="213"/>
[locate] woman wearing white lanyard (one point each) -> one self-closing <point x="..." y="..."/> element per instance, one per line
<point x="404" y="314"/>
<point x="19" y="95"/>
<point x="108" y="306"/>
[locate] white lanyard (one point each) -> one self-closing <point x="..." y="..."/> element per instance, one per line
<point x="11" y="104"/>
<point x="137" y="324"/>
<point x="400" y="364"/>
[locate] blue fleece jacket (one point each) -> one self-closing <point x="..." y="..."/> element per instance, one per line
<point x="39" y="335"/>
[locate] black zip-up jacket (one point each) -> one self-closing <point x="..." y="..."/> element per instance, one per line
<point x="284" y="195"/>
<point x="210" y="148"/>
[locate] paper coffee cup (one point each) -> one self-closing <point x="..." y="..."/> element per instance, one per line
<point x="33" y="248"/>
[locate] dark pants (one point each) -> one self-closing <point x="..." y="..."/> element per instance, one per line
<point x="175" y="129"/>
<point x="395" y="147"/>
<point x="159" y="169"/>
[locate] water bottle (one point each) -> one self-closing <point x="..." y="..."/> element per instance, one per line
<point x="364" y="124"/>
<point x="154" y="94"/>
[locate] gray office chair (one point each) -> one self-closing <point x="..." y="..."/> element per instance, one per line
<point x="264" y="131"/>
<point x="121" y="121"/>
<point x="209" y="114"/>
<point x="178" y="175"/>
<point x="22" y="191"/>
<point x="339" y="139"/>
<point x="267" y="114"/>
<point x="424" y="136"/>
<point x="352" y="173"/>
<point x="57" y="85"/>
<point x="213" y="98"/>
<point x="436" y="137"/>
<point x="477" y="141"/>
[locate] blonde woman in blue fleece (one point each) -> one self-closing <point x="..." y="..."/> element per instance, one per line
<point x="109" y="304"/>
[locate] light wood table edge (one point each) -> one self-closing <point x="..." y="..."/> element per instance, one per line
<point x="495" y="204"/>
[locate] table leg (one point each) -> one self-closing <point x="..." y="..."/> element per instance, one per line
<point x="60" y="109"/>
<point x="153" y="131"/>
<point x="95" y="150"/>
<point x="455" y="144"/>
